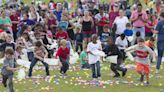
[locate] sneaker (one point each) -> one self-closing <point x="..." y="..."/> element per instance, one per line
<point x="117" y="75"/>
<point x="142" y="78"/>
<point x="157" y="71"/>
<point x="99" y="78"/>
<point x="147" y="83"/>
<point x="5" y="85"/>
<point x="124" y="73"/>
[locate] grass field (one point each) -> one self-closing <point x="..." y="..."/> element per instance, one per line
<point x="72" y="84"/>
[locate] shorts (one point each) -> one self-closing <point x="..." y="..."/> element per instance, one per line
<point x="143" y="68"/>
<point x="87" y="34"/>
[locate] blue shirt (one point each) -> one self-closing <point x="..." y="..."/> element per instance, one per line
<point x="104" y="36"/>
<point x="160" y="29"/>
<point x="58" y="15"/>
<point x="27" y="22"/>
<point x="128" y="32"/>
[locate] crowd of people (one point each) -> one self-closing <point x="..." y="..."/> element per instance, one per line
<point x="87" y="27"/>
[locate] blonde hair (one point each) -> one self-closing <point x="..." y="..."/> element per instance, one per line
<point x="63" y="42"/>
<point x="3" y="35"/>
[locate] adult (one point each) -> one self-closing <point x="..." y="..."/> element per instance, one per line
<point x="33" y="14"/>
<point x="149" y="25"/>
<point x="112" y="15"/>
<point x="87" y="24"/>
<point x="121" y="22"/>
<point x="101" y="19"/>
<point x="159" y="30"/>
<point x="52" y="23"/>
<point x="5" y="21"/>
<point x="139" y="18"/>
<point x="15" y="21"/>
<point x="58" y="12"/>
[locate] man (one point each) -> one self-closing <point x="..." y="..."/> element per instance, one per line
<point x="15" y="21"/>
<point x="101" y="19"/>
<point x="139" y="18"/>
<point x="159" y="30"/>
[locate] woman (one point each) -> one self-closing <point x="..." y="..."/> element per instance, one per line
<point x="33" y="15"/>
<point x="52" y="23"/>
<point x="5" y="21"/>
<point x="149" y="25"/>
<point x="87" y="24"/>
<point x="121" y="22"/>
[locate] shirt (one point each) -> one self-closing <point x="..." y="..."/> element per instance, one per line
<point x="63" y="35"/>
<point x="40" y="51"/>
<point x="14" y="18"/>
<point x="91" y="48"/>
<point x="112" y="16"/>
<point x="128" y="32"/>
<point x="104" y="36"/>
<point x="160" y="29"/>
<point x="7" y="63"/>
<point x="63" y="53"/>
<point x="101" y="19"/>
<point x="121" y="24"/>
<point x="142" y="54"/>
<point x="5" y="21"/>
<point x="79" y="37"/>
<point x="138" y="22"/>
<point x="83" y="56"/>
<point x="121" y="43"/>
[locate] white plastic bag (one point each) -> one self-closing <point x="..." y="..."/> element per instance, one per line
<point x="21" y="74"/>
<point x="98" y="53"/>
<point x="23" y="63"/>
<point x="112" y="59"/>
<point x="51" y="61"/>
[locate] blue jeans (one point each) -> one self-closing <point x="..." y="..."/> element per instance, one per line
<point x="160" y="48"/>
<point x="141" y="30"/>
<point x="34" y="61"/>
<point x="96" y="70"/>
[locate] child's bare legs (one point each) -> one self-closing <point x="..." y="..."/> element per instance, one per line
<point x="142" y="75"/>
<point x="147" y="78"/>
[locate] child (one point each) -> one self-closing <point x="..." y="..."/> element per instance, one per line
<point x="122" y="44"/>
<point x="8" y="43"/>
<point x="142" y="60"/>
<point x="128" y="31"/>
<point x="104" y="35"/>
<point x="8" y="69"/>
<point x="28" y="44"/>
<point x="110" y="50"/>
<point x="84" y="59"/>
<point x="61" y="34"/>
<point x="39" y="54"/>
<point x="78" y="39"/>
<point x="94" y="60"/>
<point x="63" y="53"/>
<point x="150" y="44"/>
<point x="137" y="36"/>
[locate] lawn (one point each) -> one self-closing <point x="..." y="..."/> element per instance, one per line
<point x="75" y="82"/>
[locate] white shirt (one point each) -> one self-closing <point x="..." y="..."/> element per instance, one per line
<point x="98" y="16"/>
<point x="121" y="24"/>
<point x="121" y="43"/>
<point x="91" y="48"/>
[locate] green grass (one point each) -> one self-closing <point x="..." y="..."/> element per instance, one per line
<point x="70" y="83"/>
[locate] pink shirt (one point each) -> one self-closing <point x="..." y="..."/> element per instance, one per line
<point x="138" y="22"/>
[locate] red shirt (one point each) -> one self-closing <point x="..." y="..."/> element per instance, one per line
<point x="63" y="35"/>
<point x="102" y="22"/>
<point x="1" y="31"/>
<point x="63" y="53"/>
<point x="14" y="18"/>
